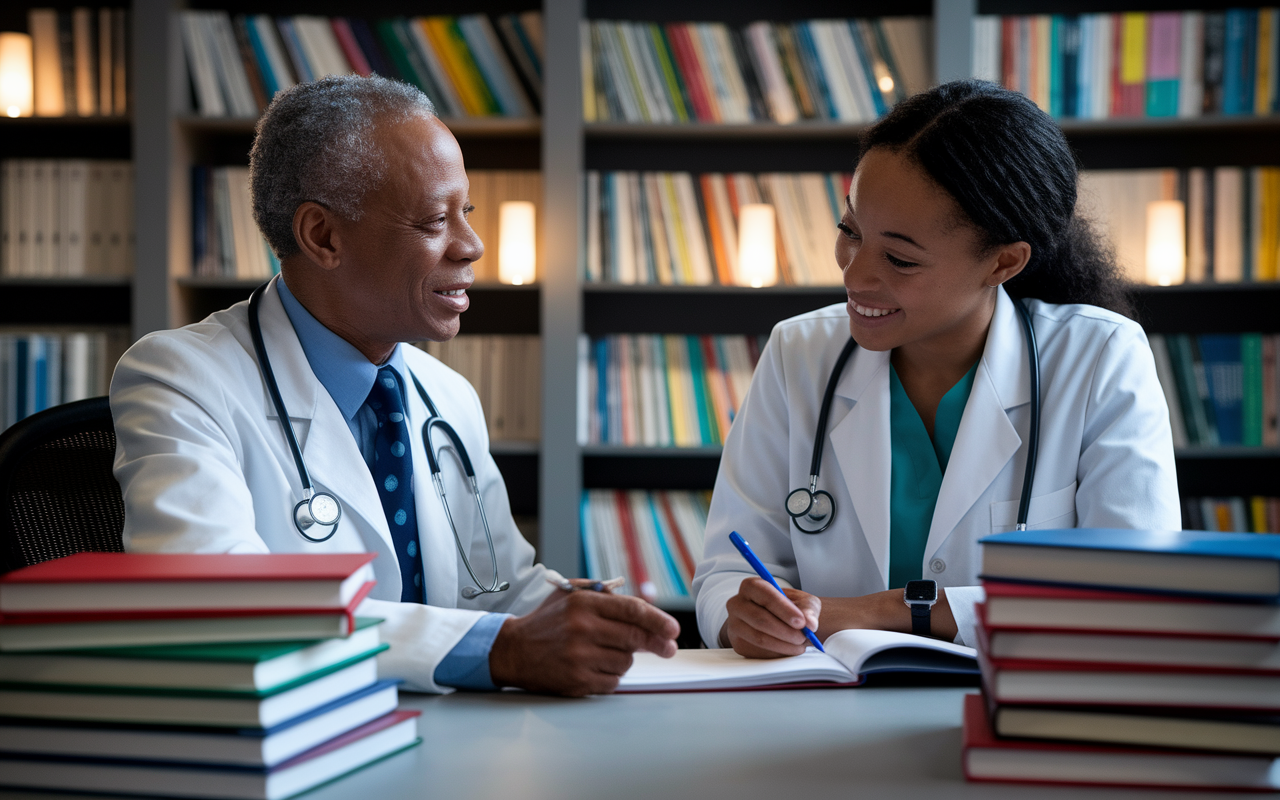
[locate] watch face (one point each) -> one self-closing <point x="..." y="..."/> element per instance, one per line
<point x="921" y="591"/>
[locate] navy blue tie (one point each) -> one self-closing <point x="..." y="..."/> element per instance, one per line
<point x="393" y="475"/>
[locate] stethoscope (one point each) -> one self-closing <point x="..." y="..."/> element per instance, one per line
<point x="812" y="509"/>
<point x="322" y="511"/>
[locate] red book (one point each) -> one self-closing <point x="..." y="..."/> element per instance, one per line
<point x="635" y="559"/>
<point x="350" y="48"/>
<point x="691" y="71"/>
<point x="1023" y="606"/>
<point x="150" y="581"/>
<point x="986" y="758"/>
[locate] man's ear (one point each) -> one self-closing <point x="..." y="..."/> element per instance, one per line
<point x="1010" y="259"/>
<point x="313" y="229"/>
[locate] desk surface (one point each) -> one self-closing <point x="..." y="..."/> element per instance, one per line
<point x="872" y="742"/>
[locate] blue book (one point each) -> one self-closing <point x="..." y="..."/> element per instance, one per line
<point x="1224" y="371"/>
<point x="1229" y="566"/>
<point x="602" y="387"/>
<point x="1056" y="66"/>
<point x="1069" y="38"/>
<point x="269" y="78"/>
<point x="21" y="383"/>
<point x="808" y="53"/>
<point x="868" y="69"/>
<point x="1235" y="71"/>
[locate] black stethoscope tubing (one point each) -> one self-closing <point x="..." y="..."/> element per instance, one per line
<point x="817" y="506"/>
<point x="308" y="513"/>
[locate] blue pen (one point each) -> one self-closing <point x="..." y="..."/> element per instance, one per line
<point x="745" y="549"/>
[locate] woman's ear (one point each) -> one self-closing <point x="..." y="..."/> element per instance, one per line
<point x="313" y="229"/>
<point x="1010" y="259"/>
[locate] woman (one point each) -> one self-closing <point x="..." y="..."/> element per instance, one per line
<point x="963" y="199"/>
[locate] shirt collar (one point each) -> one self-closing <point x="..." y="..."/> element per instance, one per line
<point x="342" y="369"/>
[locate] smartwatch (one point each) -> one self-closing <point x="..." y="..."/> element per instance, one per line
<point x="920" y="597"/>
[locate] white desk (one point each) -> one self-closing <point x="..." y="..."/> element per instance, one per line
<point x="841" y="743"/>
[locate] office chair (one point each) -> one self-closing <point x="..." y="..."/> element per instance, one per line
<point x="57" y="493"/>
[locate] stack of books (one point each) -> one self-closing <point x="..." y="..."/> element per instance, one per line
<point x="1165" y="64"/>
<point x="652" y="390"/>
<point x="243" y="676"/>
<point x="1221" y="388"/>
<point x="80" y="61"/>
<point x="1129" y="658"/>
<point x="467" y="65"/>
<point x="845" y="70"/>
<point x="653" y="539"/>
<point x="39" y="370"/>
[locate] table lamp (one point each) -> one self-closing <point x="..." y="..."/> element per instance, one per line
<point x="516" y="249"/>
<point x="757" y="251"/>
<point x="15" y="75"/>
<point x="1166" y="242"/>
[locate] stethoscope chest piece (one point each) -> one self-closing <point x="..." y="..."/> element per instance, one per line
<point x="318" y="513"/>
<point x="812" y="511"/>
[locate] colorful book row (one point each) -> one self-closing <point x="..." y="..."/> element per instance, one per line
<point x="467" y="65"/>
<point x="506" y="372"/>
<point x="42" y="370"/>
<point x="225" y="240"/>
<point x="1232" y="514"/>
<point x="663" y="391"/>
<point x="80" y="62"/>
<point x="844" y="70"/>
<point x="66" y="218"/>
<point x="681" y="228"/>
<point x="1165" y="64"/>
<point x="653" y="539"/>
<point x="1221" y="389"/>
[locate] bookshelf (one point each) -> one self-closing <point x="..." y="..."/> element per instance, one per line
<point x="166" y="137"/>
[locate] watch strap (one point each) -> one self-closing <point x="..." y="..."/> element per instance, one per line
<point x="921" y="619"/>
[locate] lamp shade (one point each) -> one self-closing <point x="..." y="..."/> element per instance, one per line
<point x="1166" y="242"/>
<point x="15" y="75"/>
<point x="757" y="250"/>
<point x="516" y="246"/>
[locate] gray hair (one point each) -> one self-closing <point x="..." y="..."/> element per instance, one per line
<point x="315" y="143"/>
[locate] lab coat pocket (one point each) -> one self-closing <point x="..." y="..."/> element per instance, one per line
<point x="1053" y="510"/>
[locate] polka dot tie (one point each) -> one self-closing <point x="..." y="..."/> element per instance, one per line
<point x="393" y="475"/>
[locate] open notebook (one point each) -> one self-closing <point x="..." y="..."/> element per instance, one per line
<point x="850" y="655"/>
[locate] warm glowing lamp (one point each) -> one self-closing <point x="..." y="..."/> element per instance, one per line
<point x="757" y="252"/>
<point x="1166" y="242"/>
<point x="15" y="74"/>
<point x="515" y="242"/>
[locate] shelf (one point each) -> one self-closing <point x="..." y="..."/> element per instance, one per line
<point x="469" y="127"/>
<point x="704" y="130"/>
<point x="620" y="467"/>
<point x="616" y="308"/>
<point x="1156" y="125"/>
<point x="1210" y="308"/>
<point x="634" y="451"/>
<point x="90" y="300"/>
<point x="514" y="447"/>
<point x="1221" y="453"/>
<point x="66" y="137"/>
<point x="57" y="122"/>
<point x="495" y="307"/>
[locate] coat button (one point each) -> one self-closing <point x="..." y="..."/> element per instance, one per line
<point x="938" y="565"/>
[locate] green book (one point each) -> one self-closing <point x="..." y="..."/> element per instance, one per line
<point x="1188" y="396"/>
<point x="253" y="667"/>
<point x="398" y="54"/>
<point x="698" y="371"/>
<point x="667" y="63"/>
<point x="1251" y="403"/>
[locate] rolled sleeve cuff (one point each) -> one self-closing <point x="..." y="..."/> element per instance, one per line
<point x="467" y="665"/>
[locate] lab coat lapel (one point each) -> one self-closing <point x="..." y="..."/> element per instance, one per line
<point x="986" y="439"/>
<point x="435" y="537"/>
<point x="332" y="456"/>
<point x="860" y="442"/>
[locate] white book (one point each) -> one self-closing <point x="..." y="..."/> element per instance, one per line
<point x="585" y="389"/>
<point x="694" y="233"/>
<point x="678" y="247"/>
<point x="1228" y="239"/>
<point x="650" y="550"/>
<point x="648" y="394"/>
<point x="1191" y="67"/>
<point x="632" y="36"/>
<point x="52" y="370"/>
<point x="632" y="103"/>
<point x="209" y="99"/>
<point x="95" y="255"/>
<point x="624" y="252"/>
<point x="838" y="88"/>
<point x="986" y="47"/>
<point x="661" y="390"/>
<point x="731" y="71"/>
<point x="351" y="751"/>
<point x="119" y="217"/>
<point x="850" y="656"/>
<point x="42" y="216"/>
<point x="313" y="33"/>
<point x="1103" y="29"/>
<point x="1196" y="254"/>
<point x="782" y="104"/>
<point x="76" y="366"/>
<point x="691" y="521"/>
<point x="230" y="67"/>
<point x="859" y="81"/>
<point x="73" y="208"/>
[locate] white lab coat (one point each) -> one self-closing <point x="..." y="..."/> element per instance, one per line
<point x="205" y="468"/>
<point x="1106" y="455"/>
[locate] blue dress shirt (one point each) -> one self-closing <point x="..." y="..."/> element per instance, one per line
<point x="348" y="376"/>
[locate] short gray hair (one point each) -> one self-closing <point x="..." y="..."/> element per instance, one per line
<point x="315" y="143"/>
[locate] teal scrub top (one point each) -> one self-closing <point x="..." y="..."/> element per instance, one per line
<point x="918" y="462"/>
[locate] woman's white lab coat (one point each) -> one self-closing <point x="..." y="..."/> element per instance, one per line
<point x="1106" y="455"/>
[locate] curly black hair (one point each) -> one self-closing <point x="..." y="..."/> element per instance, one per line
<point x="1009" y="168"/>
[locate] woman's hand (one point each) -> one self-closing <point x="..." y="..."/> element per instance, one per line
<point x="764" y="624"/>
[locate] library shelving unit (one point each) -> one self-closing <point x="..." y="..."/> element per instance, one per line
<point x="92" y="302"/>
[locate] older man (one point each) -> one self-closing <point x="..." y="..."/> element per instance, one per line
<point x="362" y="194"/>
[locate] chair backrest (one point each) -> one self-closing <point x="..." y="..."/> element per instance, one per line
<point x="57" y="493"/>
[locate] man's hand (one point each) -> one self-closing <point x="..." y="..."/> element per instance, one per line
<point x="579" y="643"/>
<point x="764" y="624"/>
